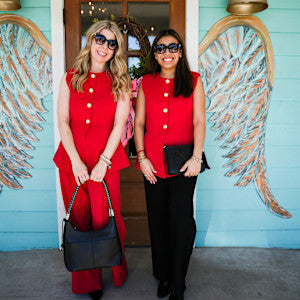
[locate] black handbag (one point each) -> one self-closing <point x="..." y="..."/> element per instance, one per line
<point x="84" y="250"/>
<point x="176" y="157"/>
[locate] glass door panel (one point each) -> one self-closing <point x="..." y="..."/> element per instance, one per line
<point x="92" y="12"/>
<point x="153" y="16"/>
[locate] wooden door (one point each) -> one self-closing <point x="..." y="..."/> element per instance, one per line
<point x="132" y="186"/>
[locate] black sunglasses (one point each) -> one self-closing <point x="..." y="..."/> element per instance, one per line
<point x="100" y="39"/>
<point x="162" y="48"/>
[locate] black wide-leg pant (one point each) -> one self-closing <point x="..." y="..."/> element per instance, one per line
<point x="172" y="227"/>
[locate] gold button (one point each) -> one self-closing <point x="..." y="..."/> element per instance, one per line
<point x="93" y="75"/>
<point x="165" y="110"/>
<point x="87" y="121"/>
<point x="167" y="81"/>
<point x="166" y="95"/>
<point x="165" y="126"/>
<point x="91" y="90"/>
<point x="89" y="105"/>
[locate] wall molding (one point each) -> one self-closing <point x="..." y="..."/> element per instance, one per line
<point x="191" y="32"/>
<point x="58" y="69"/>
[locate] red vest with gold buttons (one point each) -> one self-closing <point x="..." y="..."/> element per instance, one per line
<point x="91" y="120"/>
<point x="169" y="120"/>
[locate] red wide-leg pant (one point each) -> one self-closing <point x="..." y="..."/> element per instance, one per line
<point x="89" y="212"/>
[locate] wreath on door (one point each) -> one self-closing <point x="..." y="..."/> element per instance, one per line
<point x="131" y="26"/>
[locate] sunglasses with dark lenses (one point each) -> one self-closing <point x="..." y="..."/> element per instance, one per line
<point x="162" y="48"/>
<point x="100" y="39"/>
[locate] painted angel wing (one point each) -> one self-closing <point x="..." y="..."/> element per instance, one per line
<point x="25" y="79"/>
<point x="236" y="66"/>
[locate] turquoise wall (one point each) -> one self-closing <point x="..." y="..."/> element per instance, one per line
<point x="28" y="217"/>
<point x="229" y="216"/>
<point x="226" y="216"/>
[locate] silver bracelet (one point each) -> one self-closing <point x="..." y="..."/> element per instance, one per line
<point x="197" y="159"/>
<point x="106" y="160"/>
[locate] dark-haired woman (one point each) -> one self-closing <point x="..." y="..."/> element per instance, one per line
<point x="170" y="111"/>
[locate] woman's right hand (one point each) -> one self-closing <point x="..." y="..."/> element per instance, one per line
<point x="148" y="170"/>
<point x="80" y="172"/>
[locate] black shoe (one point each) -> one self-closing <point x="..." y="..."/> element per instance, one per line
<point x="163" y="288"/>
<point x="95" y="295"/>
<point x="176" y="296"/>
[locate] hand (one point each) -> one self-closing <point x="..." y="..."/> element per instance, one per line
<point x="148" y="170"/>
<point x="99" y="171"/>
<point x="192" y="168"/>
<point x="80" y="172"/>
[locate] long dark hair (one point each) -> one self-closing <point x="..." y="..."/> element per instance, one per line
<point x="183" y="84"/>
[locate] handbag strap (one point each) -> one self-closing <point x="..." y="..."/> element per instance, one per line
<point x="110" y="211"/>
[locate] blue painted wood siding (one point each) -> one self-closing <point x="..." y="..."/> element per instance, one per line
<point x="229" y="216"/>
<point x="226" y="216"/>
<point x="28" y="217"/>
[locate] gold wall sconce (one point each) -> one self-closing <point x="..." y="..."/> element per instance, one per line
<point x="246" y="7"/>
<point x="10" y="4"/>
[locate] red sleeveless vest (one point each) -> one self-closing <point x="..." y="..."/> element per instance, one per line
<point x="91" y="120"/>
<point x="169" y="120"/>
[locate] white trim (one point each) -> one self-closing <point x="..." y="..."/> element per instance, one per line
<point x="58" y="69"/>
<point x="191" y="44"/>
<point x="191" y="32"/>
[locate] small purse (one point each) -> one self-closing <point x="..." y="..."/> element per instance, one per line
<point x="84" y="250"/>
<point x="176" y="157"/>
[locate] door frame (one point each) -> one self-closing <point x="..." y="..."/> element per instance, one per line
<point x="59" y="63"/>
<point x="72" y="16"/>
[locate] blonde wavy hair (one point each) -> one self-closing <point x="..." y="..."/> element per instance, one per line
<point x="117" y="67"/>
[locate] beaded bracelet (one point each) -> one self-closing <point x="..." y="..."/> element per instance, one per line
<point x="141" y="155"/>
<point x="106" y="160"/>
<point x="141" y="159"/>
<point x="197" y="159"/>
<point x="143" y="151"/>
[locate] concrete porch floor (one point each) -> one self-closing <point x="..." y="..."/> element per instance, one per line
<point x="214" y="273"/>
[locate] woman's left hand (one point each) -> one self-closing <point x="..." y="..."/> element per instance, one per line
<point x="99" y="171"/>
<point x="192" y="168"/>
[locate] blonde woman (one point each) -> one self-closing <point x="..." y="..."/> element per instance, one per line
<point x="93" y="107"/>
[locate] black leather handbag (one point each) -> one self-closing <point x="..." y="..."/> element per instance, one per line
<point x="84" y="250"/>
<point x="176" y="157"/>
